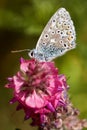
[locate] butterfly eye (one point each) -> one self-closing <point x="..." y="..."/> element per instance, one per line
<point x="32" y="54"/>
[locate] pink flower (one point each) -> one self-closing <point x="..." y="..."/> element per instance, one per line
<point x="42" y="93"/>
<point x="38" y="88"/>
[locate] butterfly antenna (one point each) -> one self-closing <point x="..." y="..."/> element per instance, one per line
<point x="16" y="51"/>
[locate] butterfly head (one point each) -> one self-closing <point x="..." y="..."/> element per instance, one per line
<point x="37" y="55"/>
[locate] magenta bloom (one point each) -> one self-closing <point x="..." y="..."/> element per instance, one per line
<point x="42" y="93"/>
<point x="38" y="88"/>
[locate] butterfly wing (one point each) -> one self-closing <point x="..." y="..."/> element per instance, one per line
<point x="58" y="36"/>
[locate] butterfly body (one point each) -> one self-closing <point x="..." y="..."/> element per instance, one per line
<point x="57" y="38"/>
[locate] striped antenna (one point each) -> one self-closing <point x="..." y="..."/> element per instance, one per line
<point x="20" y="50"/>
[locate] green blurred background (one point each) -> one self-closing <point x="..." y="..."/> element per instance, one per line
<point x="21" y="23"/>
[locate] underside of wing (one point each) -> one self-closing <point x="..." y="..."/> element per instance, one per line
<point x="59" y="34"/>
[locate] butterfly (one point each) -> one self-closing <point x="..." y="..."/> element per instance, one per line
<point x="57" y="38"/>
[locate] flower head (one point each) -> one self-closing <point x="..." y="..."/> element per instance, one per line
<point x="38" y="87"/>
<point x="42" y="93"/>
